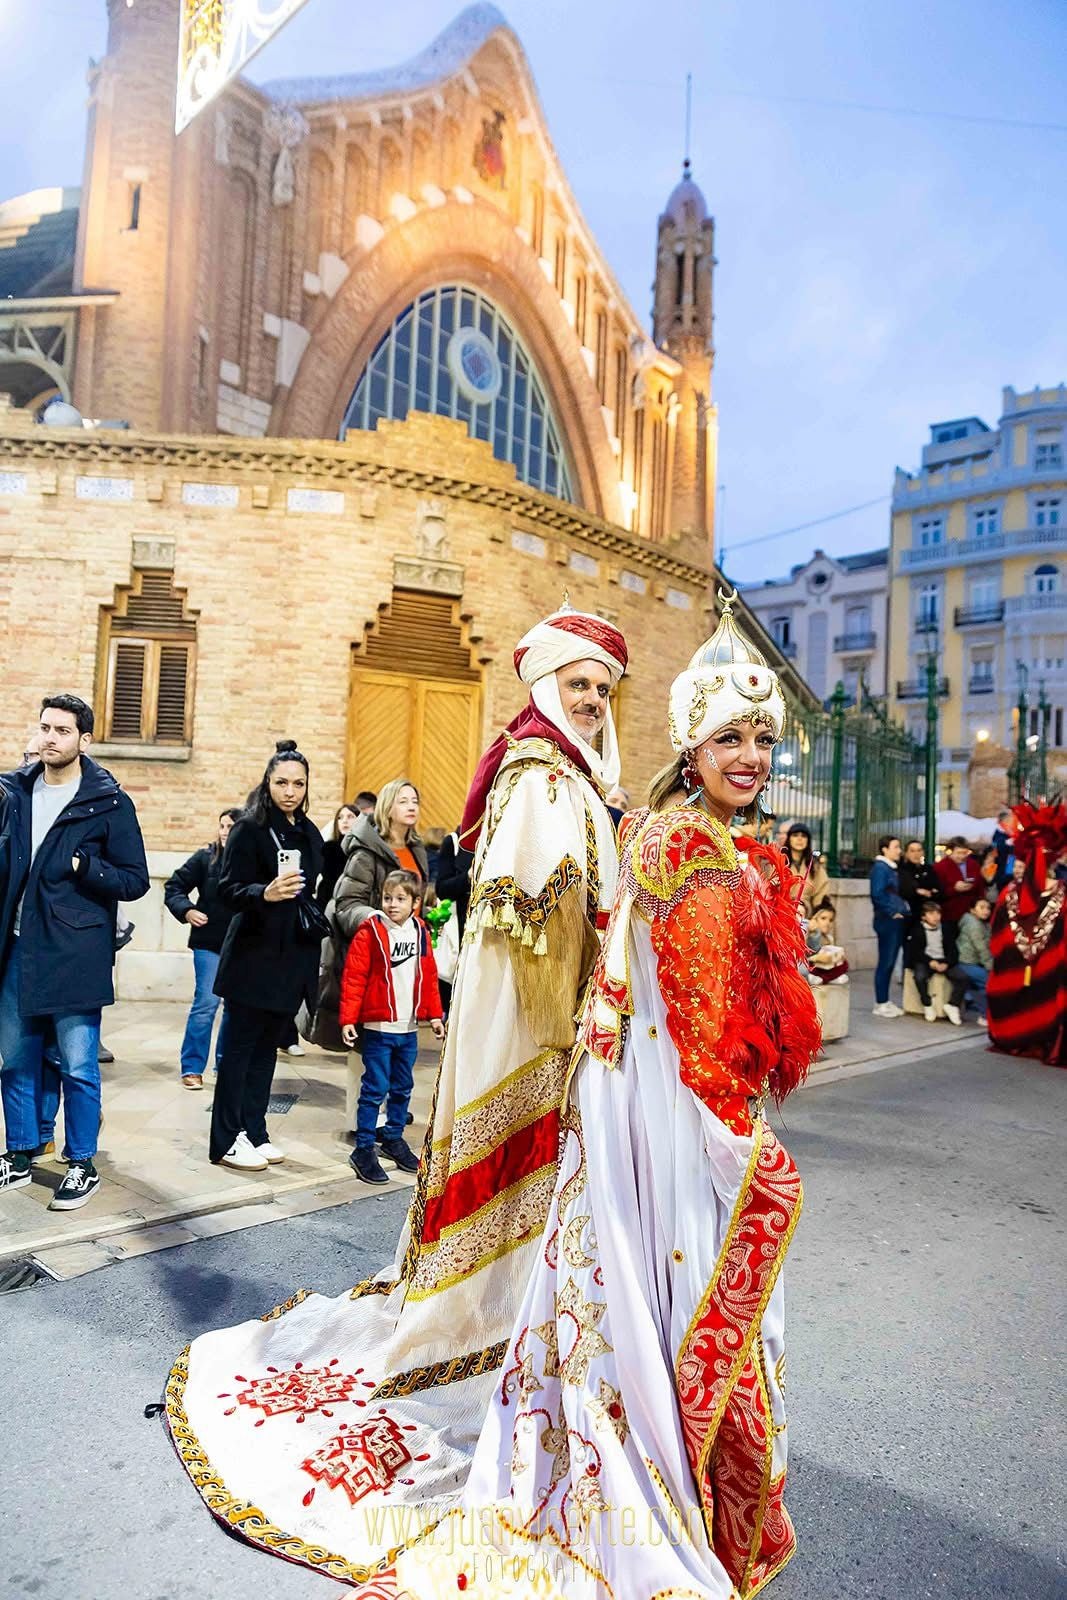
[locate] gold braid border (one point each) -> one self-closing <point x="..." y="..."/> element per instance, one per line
<point x="242" y="1516"/>
<point x="500" y="903"/>
<point x="440" y="1373"/>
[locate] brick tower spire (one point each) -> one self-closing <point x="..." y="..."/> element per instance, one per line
<point x="682" y="322"/>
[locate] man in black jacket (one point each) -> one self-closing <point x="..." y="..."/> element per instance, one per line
<point x="70" y="850"/>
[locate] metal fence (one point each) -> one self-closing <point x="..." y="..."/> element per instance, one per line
<point x="850" y="775"/>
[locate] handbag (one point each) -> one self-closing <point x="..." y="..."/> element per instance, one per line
<point x="311" y="925"/>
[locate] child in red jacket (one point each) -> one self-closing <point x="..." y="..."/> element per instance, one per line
<point x="389" y="985"/>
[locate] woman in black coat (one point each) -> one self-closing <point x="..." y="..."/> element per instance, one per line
<point x="208" y="918"/>
<point x="270" y="959"/>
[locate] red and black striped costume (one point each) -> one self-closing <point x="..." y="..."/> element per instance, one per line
<point x="1029" y="1019"/>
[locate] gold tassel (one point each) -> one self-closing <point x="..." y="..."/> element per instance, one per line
<point x="1026" y="977"/>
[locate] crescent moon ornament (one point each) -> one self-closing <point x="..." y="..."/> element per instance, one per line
<point x="747" y="684"/>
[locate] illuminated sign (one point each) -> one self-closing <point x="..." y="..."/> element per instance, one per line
<point x="218" y="39"/>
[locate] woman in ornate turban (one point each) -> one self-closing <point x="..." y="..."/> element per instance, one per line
<point x="636" y="1444"/>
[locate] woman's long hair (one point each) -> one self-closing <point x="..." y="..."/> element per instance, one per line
<point x="669" y="780"/>
<point x="335" y="831"/>
<point x="259" y="801"/>
<point x="809" y="848"/>
<point x="383" y="810"/>
<point x="233" y="812"/>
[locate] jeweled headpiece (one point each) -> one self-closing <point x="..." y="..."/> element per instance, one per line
<point x="728" y="680"/>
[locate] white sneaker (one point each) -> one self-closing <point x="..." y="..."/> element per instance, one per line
<point x="893" y="1010"/>
<point x="243" y="1157"/>
<point x="953" y="1015"/>
<point x="929" y="1013"/>
<point x="295" y="1050"/>
<point x="269" y="1152"/>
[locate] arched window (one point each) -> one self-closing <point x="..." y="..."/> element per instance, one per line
<point x="454" y="353"/>
<point x="1045" y="579"/>
<point x="147" y="660"/>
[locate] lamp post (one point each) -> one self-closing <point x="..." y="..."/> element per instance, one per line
<point x="931" y="753"/>
<point x="1022" y="755"/>
<point x="1044" y="717"/>
<point x="837" y="733"/>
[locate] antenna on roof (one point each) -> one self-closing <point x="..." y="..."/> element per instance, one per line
<point x="688" y="119"/>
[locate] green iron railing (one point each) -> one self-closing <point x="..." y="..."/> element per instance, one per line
<point x="850" y="775"/>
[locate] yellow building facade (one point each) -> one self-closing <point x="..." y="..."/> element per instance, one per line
<point x="978" y="577"/>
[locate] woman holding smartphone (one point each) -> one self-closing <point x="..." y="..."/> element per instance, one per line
<point x="270" y="959"/>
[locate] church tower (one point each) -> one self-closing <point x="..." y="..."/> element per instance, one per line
<point x="132" y="182"/>
<point x="682" y="325"/>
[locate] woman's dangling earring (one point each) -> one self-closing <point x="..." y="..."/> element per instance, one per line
<point x="690" y="776"/>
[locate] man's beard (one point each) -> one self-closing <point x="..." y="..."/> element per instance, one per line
<point x="587" y="738"/>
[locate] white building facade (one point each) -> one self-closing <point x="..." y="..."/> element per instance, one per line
<point x="829" y="617"/>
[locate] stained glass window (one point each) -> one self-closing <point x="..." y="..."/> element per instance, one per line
<point x="454" y="353"/>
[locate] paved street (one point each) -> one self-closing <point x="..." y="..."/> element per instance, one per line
<point x="926" y="1375"/>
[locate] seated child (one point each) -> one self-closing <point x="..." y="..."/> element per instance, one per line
<point x="826" y="960"/>
<point x="389" y="985"/>
<point x="929" y="948"/>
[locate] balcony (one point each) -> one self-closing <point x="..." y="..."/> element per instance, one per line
<point x="915" y="689"/>
<point x="982" y="683"/>
<point x="1032" y="605"/>
<point x="1016" y="541"/>
<point x="927" y="624"/>
<point x="853" y="643"/>
<point x="978" y="616"/>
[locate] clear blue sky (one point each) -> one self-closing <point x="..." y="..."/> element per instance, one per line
<point x="877" y="271"/>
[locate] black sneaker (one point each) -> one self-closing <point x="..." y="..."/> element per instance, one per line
<point x="400" y="1151"/>
<point x="15" y="1169"/>
<point x="365" y="1165"/>
<point x="79" y="1185"/>
<point x="104" y="1056"/>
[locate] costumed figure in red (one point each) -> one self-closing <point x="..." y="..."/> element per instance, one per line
<point x="1027" y="990"/>
<point x="636" y="1444"/>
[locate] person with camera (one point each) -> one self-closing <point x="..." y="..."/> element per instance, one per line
<point x="270" y="957"/>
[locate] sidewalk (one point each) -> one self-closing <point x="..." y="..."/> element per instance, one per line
<point x="160" y="1189"/>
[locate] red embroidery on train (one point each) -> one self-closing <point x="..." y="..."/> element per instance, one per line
<point x="360" y="1459"/>
<point x="301" y="1389"/>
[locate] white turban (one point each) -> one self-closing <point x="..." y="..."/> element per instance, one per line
<point x="727" y="681"/>
<point x="564" y="637"/>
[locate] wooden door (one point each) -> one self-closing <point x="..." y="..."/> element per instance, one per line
<point x="425" y="729"/>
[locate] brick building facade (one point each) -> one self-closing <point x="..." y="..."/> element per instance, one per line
<point x="386" y="402"/>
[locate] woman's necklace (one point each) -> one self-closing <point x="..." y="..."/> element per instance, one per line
<point x="1031" y="946"/>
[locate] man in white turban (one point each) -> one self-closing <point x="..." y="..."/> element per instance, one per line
<point x="428" y="1335"/>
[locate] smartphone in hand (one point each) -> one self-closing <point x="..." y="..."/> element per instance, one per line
<point x="288" y="861"/>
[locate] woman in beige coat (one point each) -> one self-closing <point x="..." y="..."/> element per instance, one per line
<point x="373" y="847"/>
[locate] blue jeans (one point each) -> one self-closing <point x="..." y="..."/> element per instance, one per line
<point x="889" y="931"/>
<point x="388" y="1074"/>
<point x="977" y="978"/>
<point x="22" y="1044"/>
<point x="196" y="1045"/>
